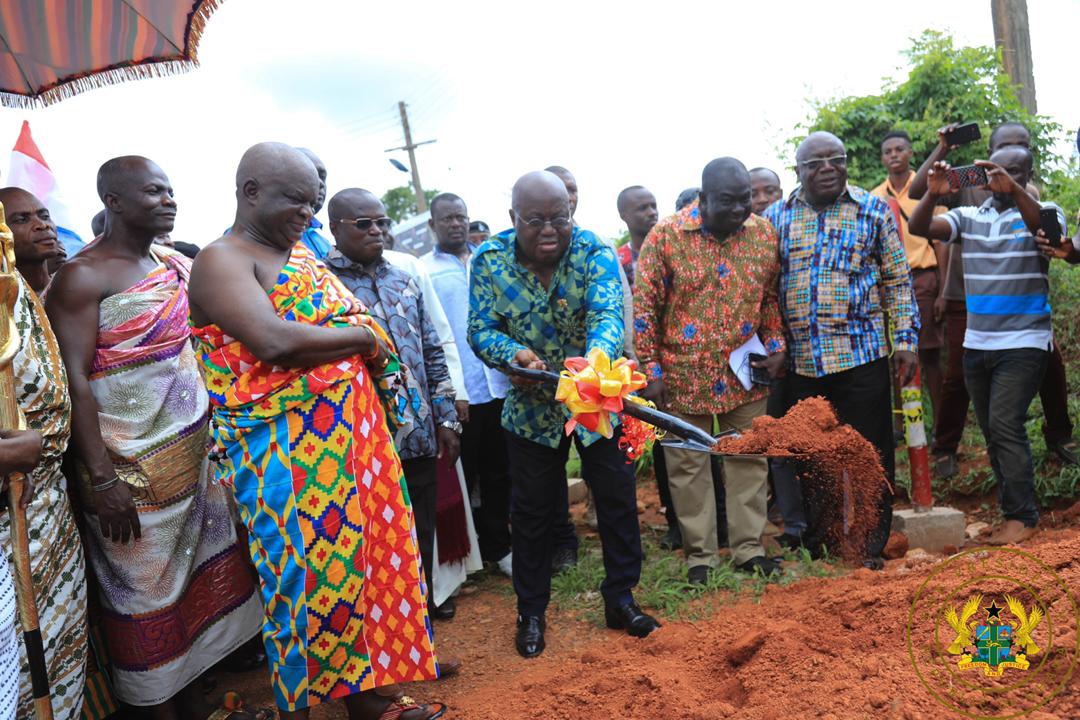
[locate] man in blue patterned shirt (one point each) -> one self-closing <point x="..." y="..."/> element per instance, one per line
<point x="538" y="295"/>
<point x="842" y="269"/>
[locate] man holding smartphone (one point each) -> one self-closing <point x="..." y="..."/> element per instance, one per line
<point x="1009" y="332"/>
<point x="706" y="284"/>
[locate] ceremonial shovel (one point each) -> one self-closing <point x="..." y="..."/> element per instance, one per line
<point x="690" y="437"/>
<point x="11" y="418"/>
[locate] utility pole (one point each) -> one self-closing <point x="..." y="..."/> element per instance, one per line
<point x="421" y="201"/>
<point x="1012" y="36"/>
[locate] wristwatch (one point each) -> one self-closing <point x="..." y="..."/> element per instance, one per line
<point x="452" y="425"/>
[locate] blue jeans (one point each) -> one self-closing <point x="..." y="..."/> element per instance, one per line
<point x="1002" y="384"/>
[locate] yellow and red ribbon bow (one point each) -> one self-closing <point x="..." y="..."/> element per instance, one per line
<point x="594" y="387"/>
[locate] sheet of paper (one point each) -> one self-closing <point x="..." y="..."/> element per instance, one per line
<point x="739" y="363"/>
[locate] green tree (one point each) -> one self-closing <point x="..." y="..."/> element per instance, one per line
<point x="944" y="84"/>
<point x="400" y="202"/>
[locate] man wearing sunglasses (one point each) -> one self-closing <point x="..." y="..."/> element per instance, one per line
<point x="541" y="293"/>
<point x="843" y="268"/>
<point x="394" y="298"/>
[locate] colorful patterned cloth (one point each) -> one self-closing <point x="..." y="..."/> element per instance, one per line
<point x="180" y="599"/>
<point x="393" y="298"/>
<point x="841" y="270"/>
<point x="56" y="555"/>
<point x="510" y="310"/>
<point x="920" y="252"/>
<point x="9" y="643"/>
<point x="696" y="300"/>
<point x="320" y="488"/>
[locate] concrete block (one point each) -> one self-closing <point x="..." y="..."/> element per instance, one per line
<point x="932" y="530"/>
<point x="577" y="490"/>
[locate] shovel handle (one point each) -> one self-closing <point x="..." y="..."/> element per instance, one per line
<point x="656" y="418"/>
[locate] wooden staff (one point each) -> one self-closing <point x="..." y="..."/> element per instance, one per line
<point x="11" y="417"/>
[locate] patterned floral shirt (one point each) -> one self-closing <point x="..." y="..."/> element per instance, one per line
<point x="393" y="298"/>
<point x="696" y="299"/>
<point x="510" y="310"/>
<point x="842" y="270"/>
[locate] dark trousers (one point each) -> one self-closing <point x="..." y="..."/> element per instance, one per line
<point x="787" y="494"/>
<point x="950" y="419"/>
<point x="862" y="398"/>
<point x="539" y="502"/>
<point x="1054" y="393"/>
<point x="420" y="479"/>
<point x="1002" y="384"/>
<point x="484" y="460"/>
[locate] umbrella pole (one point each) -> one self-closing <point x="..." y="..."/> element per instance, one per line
<point x="10" y="417"/>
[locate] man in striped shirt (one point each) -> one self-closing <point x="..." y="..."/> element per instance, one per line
<point x="1009" y="332"/>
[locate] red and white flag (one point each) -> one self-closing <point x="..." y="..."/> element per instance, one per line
<point x="30" y="172"/>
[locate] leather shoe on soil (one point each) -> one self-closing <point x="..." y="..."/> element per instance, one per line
<point x="1068" y="452"/>
<point x="629" y="617"/>
<point x="446" y="611"/>
<point x="530" y="636"/>
<point x="766" y="565"/>
<point x="564" y="559"/>
<point x="672" y="539"/>
<point x="698" y="575"/>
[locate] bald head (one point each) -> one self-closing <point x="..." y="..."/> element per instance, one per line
<point x="10" y="196"/>
<point x="277" y="188"/>
<point x="116" y="176"/>
<point x="721" y="172"/>
<point x="816" y="140"/>
<point x="541" y="186"/>
<point x="569" y="181"/>
<point x="352" y="203"/>
<point x="320" y="170"/>
<point x="1016" y="160"/>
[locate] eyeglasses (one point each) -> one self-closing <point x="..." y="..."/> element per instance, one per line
<point x="364" y="224"/>
<point x="815" y="164"/>
<point x="557" y="223"/>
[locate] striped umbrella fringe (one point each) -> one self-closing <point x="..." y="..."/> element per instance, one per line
<point x="167" y="56"/>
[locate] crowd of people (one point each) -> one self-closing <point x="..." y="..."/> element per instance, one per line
<point x="351" y="414"/>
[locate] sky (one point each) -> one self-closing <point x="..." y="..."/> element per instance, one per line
<point x="621" y="93"/>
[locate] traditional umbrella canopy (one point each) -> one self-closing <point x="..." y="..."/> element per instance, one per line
<point x="51" y="50"/>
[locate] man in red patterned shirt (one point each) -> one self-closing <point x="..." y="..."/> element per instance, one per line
<point x="706" y="285"/>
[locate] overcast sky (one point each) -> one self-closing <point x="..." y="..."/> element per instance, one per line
<point x="622" y="93"/>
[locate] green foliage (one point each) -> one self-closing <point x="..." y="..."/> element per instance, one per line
<point x="945" y="84"/>
<point x="400" y="202"/>
<point x="621" y="239"/>
<point x="1062" y="185"/>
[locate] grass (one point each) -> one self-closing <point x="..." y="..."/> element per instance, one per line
<point x="663" y="588"/>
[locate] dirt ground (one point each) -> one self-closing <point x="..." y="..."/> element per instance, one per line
<point x="831" y="648"/>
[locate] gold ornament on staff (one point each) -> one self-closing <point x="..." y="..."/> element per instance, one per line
<point x="11" y="418"/>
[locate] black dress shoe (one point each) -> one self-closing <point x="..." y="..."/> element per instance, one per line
<point x="672" y="539"/>
<point x="698" y="575"/>
<point x="446" y="611"/>
<point x="629" y="617"/>
<point x="564" y="559"/>
<point x="767" y="566"/>
<point x="530" y="636"/>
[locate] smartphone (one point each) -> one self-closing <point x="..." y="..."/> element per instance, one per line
<point x="963" y="134"/>
<point x="967" y="176"/>
<point x="1048" y="220"/>
<point x="758" y="375"/>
